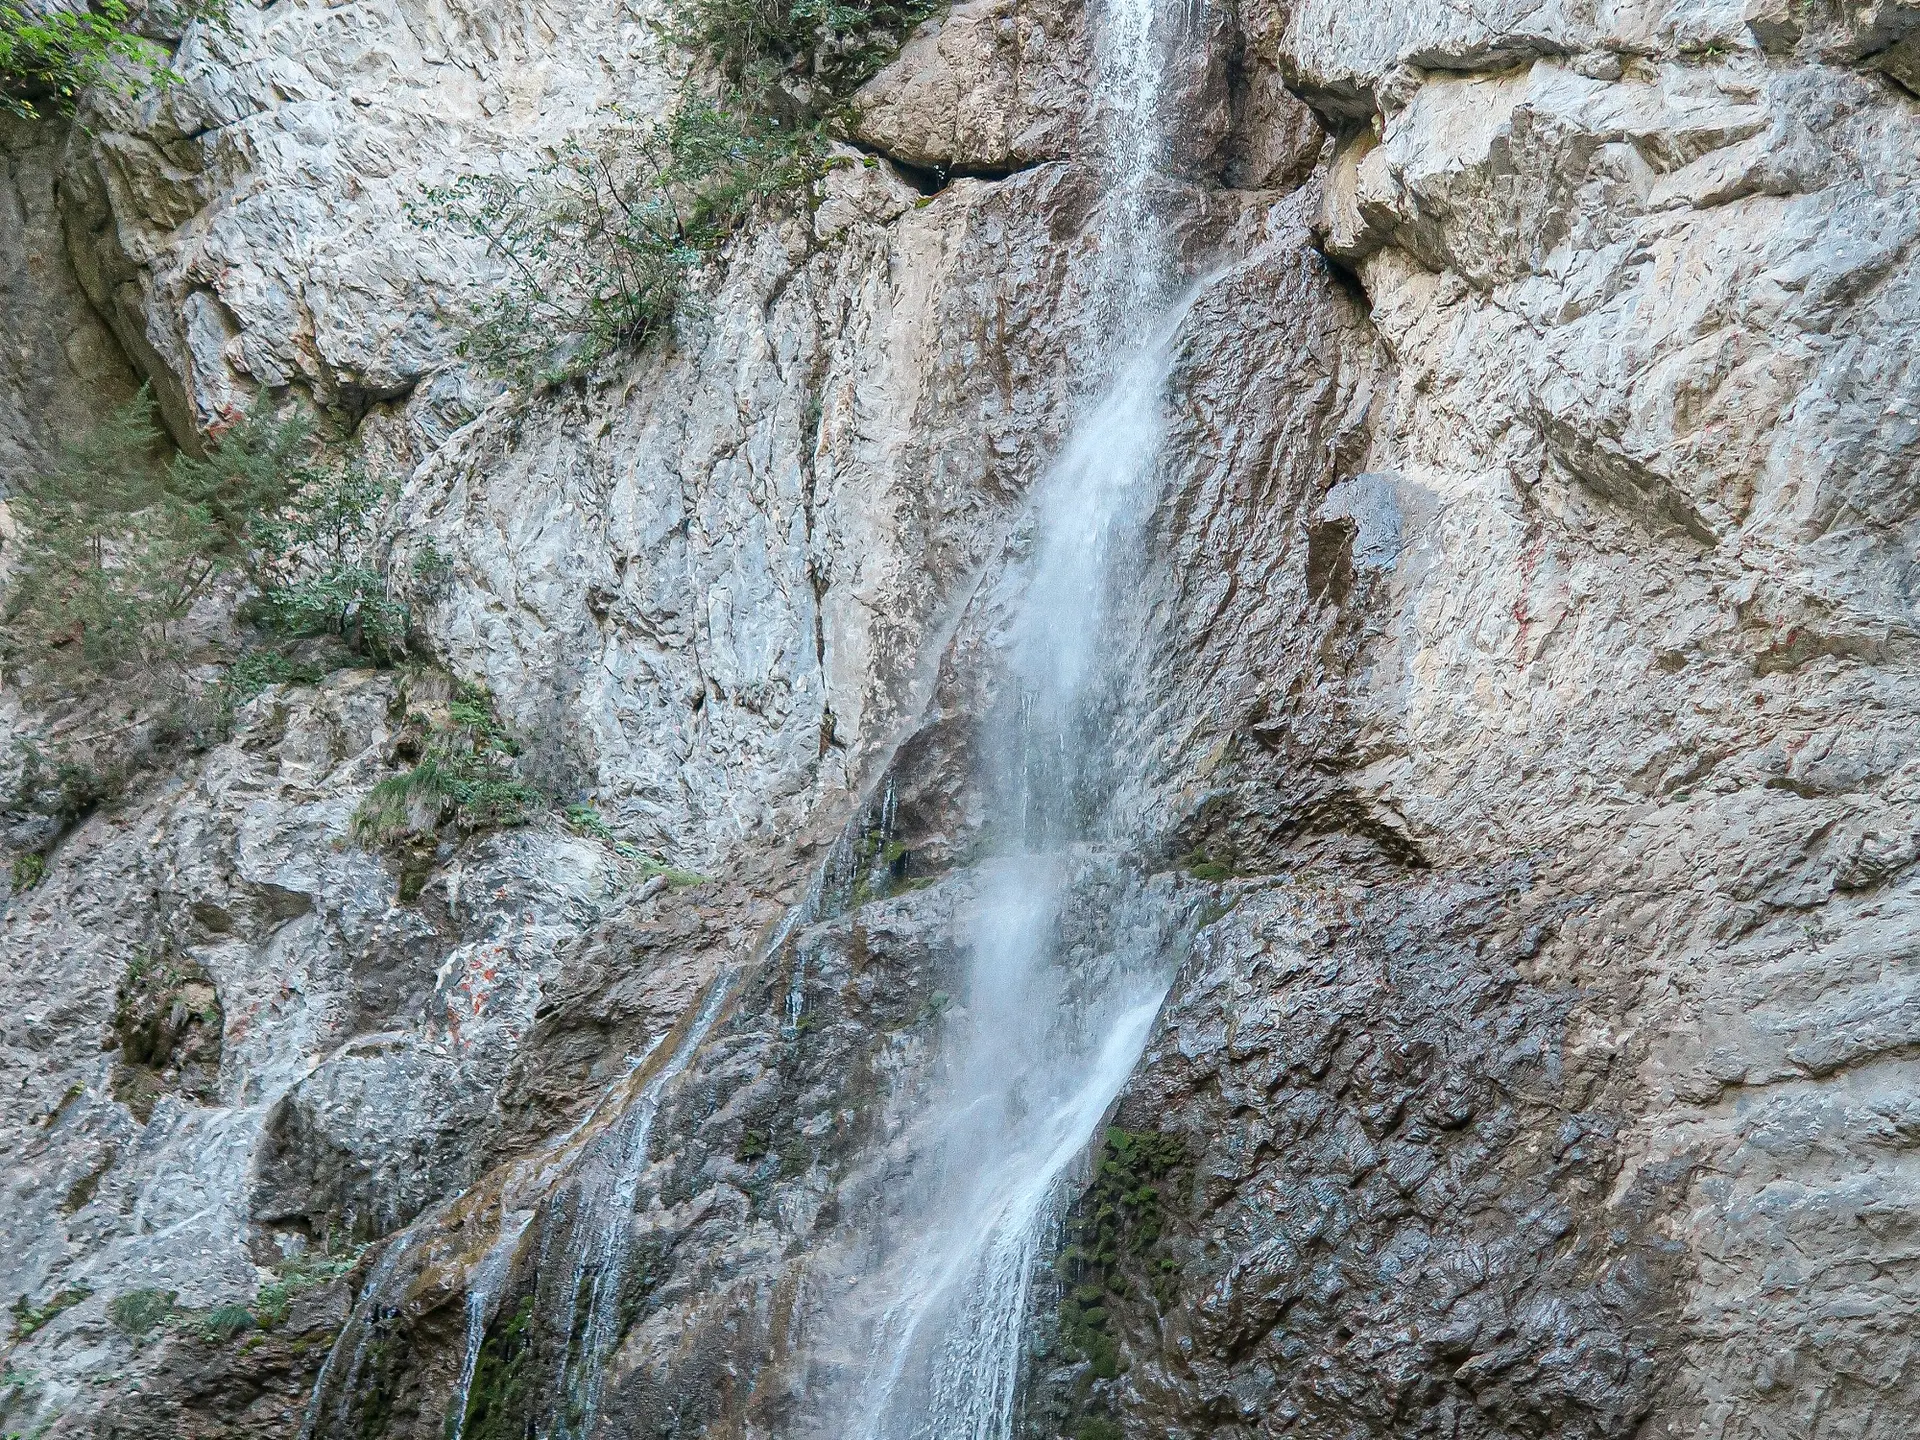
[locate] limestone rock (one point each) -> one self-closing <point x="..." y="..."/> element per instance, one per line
<point x="995" y="85"/>
<point x="61" y="367"/>
<point x="1527" y="756"/>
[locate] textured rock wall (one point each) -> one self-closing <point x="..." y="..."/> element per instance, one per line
<point x="1530" y="738"/>
<point x="61" y="367"/>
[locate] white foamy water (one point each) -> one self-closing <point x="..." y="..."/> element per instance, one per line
<point x="1044" y="1042"/>
<point x="603" y="1237"/>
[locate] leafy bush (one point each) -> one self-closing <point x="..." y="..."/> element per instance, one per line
<point x="598" y="244"/>
<point x="462" y="775"/>
<point x="106" y="566"/>
<point x="49" y="52"/>
<point x="257" y="669"/>
<point x="29" y="868"/>
<point x="129" y="572"/>
<point x="798" y="56"/>
<point x="115" y="550"/>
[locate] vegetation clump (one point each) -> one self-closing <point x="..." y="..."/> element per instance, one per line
<point x="598" y="244"/>
<point x="80" y="1194"/>
<point x="51" y="53"/>
<point x="20" y="1393"/>
<point x="149" y="594"/>
<point x="306" y="1271"/>
<point x="118" y="549"/>
<point x="503" y="1378"/>
<point x="802" y="57"/>
<point x="585" y="820"/>
<point x="1110" y="1263"/>
<point x="461" y="776"/>
<point x="138" y="1313"/>
<point x="882" y="866"/>
<point x="28" y="1319"/>
<point x="168" y="1023"/>
<point x="222" y="1323"/>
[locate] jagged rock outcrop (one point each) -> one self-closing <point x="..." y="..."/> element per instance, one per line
<point x="61" y="368"/>
<point x="1529" y="756"/>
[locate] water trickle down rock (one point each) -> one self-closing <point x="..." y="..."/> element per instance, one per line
<point x="1562" y="845"/>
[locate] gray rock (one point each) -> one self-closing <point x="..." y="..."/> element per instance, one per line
<point x="1532" y="720"/>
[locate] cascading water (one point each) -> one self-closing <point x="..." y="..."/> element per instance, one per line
<point x="933" y="1341"/>
<point x="603" y="1246"/>
<point x="606" y="1163"/>
<point x="483" y="1294"/>
<point x="1043" y="1045"/>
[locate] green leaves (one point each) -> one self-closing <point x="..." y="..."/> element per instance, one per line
<point x="462" y="775"/>
<point x="49" y="54"/>
<point x="29" y="1318"/>
<point x="797" y="57"/>
<point x="305" y="1271"/>
<point x="116" y="549"/>
<point x="102" y="575"/>
<point x="598" y="245"/>
<point x="149" y="597"/>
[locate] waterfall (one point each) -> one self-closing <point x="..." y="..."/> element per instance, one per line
<point x="930" y="1337"/>
<point x="483" y="1293"/>
<point x="602" y="1239"/>
<point x="1044" y="1042"/>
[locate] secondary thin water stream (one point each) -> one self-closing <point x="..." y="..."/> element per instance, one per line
<point x="604" y="1244"/>
<point x="483" y="1294"/>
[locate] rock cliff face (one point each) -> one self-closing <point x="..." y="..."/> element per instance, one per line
<point x="1532" y="759"/>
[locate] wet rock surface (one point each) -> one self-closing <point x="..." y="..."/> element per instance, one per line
<point x="60" y="367"/>
<point x="1348" y="1074"/>
<point x="1530" y="744"/>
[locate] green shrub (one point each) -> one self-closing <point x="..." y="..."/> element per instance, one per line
<point x="137" y="577"/>
<point x="301" y="1272"/>
<point x="61" y="788"/>
<point x="462" y="775"/>
<point x="103" y="571"/>
<point x="138" y="1313"/>
<point x="797" y="56"/>
<point x="116" y="549"/>
<point x="29" y="1318"/>
<point x="49" y="54"/>
<point x="258" y="669"/>
<point x="322" y="566"/>
<point x="29" y="868"/>
<point x="47" y="57"/>
<point x="598" y="244"/>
